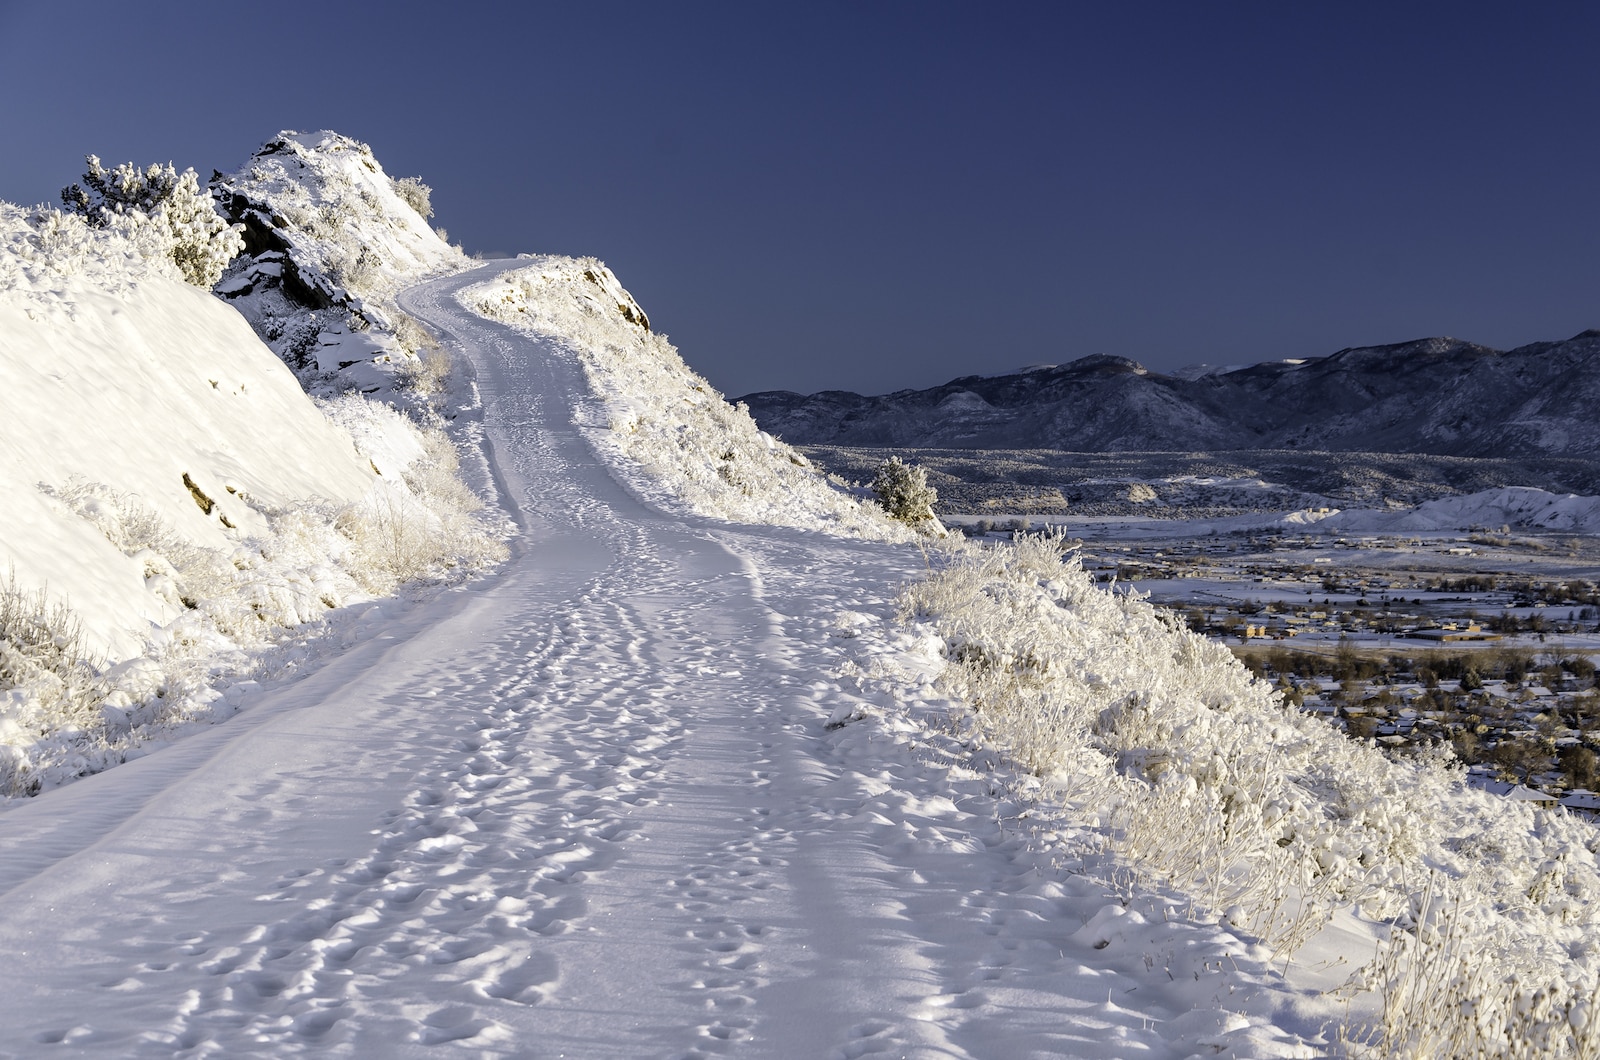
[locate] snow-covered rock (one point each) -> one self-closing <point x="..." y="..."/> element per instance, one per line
<point x="329" y="239"/>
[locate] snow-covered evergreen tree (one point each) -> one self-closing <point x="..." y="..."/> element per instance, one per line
<point x="160" y="199"/>
<point x="903" y="491"/>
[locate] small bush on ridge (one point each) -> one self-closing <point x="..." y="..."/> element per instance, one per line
<point x="904" y="493"/>
<point x="416" y="194"/>
<point x="171" y="204"/>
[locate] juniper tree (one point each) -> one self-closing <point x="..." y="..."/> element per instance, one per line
<point x="903" y="491"/>
<point x="161" y="200"/>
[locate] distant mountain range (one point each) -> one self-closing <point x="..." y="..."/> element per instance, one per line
<point x="1439" y="395"/>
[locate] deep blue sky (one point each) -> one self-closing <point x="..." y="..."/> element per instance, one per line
<point x="876" y="195"/>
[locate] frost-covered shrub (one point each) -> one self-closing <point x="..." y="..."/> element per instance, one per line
<point x="169" y="204"/>
<point x="904" y="493"/>
<point x="40" y="246"/>
<point x="1445" y="993"/>
<point x="427" y="373"/>
<point x="416" y="194"/>
<point x="422" y="521"/>
<point x="48" y="684"/>
<point x="1203" y="781"/>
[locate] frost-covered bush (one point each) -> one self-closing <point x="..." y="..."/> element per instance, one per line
<point x="41" y="246"/>
<point x="170" y="205"/>
<point x="48" y="683"/>
<point x="416" y="194"/>
<point x="1204" y="782"/>
<point x="1443" y="998"/>
<point x="903" y="491"/>
<point x="422" y="522"/>
<point x="672" y="436"/>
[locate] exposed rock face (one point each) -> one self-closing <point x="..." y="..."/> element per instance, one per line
<point x="328" y="241"/>
<point x="1436" y="395"/>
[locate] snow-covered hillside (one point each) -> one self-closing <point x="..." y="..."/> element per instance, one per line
<point x="1514" y="506"/>
<point x="677" y="786"/>
<point x="329" y="240"/>
<point x="668" y="432"/>
<point x="698" y="772"/>
<point x="642" y="794"/>
<point x="171" y="489"/>
<point x="1510" y="507"/>
<point x="172" y="499"/>
<point x="160" y="395"/>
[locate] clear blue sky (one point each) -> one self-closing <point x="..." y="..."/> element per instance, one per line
<point x="876" y="195"/>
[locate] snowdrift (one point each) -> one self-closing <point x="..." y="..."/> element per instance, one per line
<point x="665" y="431"/>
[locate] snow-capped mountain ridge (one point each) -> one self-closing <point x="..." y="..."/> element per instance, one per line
<point x="1435" y="395"/>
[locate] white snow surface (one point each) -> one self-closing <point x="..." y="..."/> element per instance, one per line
<point x="130" y="381"/>
<point x="663" y="786"/>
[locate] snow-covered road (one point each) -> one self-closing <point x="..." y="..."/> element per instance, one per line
<point x="586" y="807"/>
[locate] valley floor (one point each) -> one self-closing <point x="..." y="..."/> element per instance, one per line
<point x="592" y="807"/>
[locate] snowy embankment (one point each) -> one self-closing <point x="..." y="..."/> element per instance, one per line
<point x="664" y="429"/>
<point x="1164" y="752"/>
<point x="174" y="504"/>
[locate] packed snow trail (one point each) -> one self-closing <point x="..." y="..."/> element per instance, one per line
<point x="588" y="807"/>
